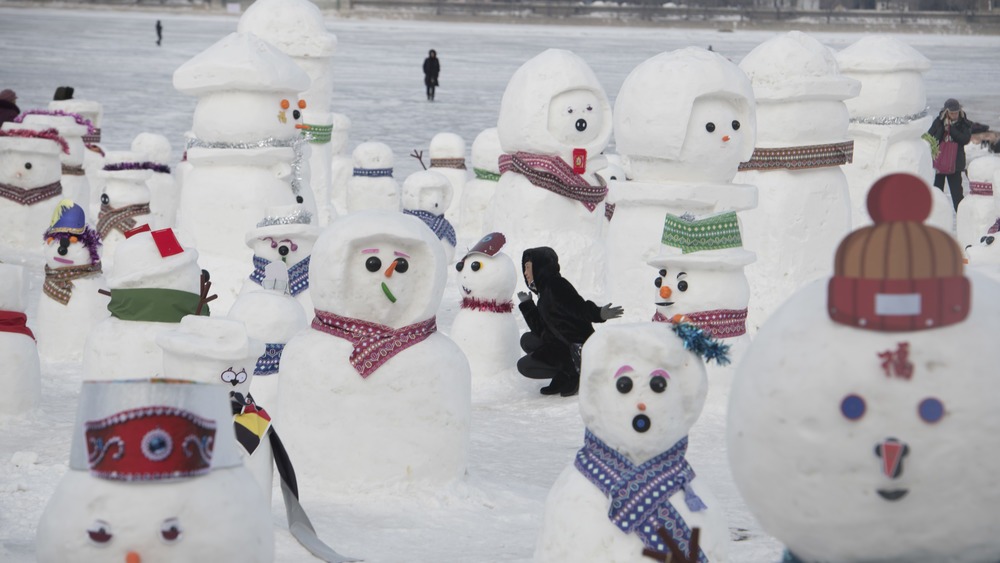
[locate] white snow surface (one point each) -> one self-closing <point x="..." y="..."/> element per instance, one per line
<point x="520" y="440"/>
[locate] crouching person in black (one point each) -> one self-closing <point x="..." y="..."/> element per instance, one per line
<point x="559" y="323"/>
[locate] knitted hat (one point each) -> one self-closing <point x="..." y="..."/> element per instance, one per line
<point x="67" y="218"/>
<point x="712" y="241"/>
<point x="8" y="95"/>
<point x="899" y="274"/>
<point x="488" y="245"/>
<point x="951" y="104"/>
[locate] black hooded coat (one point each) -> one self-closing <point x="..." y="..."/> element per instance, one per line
<point x="960" y="132"/>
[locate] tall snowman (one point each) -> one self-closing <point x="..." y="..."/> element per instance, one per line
<point x="641" y="390"/>
<point x="858" y="417"/>
<point x="804" y="204"/>
<point x="371" y="185"/>
<point x="30" y="185"/>
<point x="475" y="200"/>
<point x="125" y="201"/>
<point x="373" y="381"/>
<point x="21" y="376"/>
<point x="684" y="121"/>
<point x="554" y="122"/>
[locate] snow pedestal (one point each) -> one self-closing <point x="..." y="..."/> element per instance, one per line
<point x="125" y="201"/>
<point x="478" y="191"/>
<point x="21" y="377"/>
<point x="163" y="193"/>
<point x="979" y="213"/>
<point x="30" y="185"/>
<point x="72" y="128"/>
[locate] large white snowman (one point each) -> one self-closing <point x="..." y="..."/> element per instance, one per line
<point x="640" y="393"/>
<point x="858" y="418"/>
<point x="163" y="192"/>
<point x="154" y="476"/>
<point x="427" y="195"/>
<point x="684" y="121"/>
<point x="125" y="198"/>
<point x="447" y="155"/>
<point x="72" y="303"/>
<point x="555" y="120"/>
<point x="374" y="397"/>
<point x="21" y="376"/>
<point x="371" y="185"/>
<point x="803" y="205"/>
<point x="478" y="191"/>
<point x="30" y="185"/>
<point x="285" y="235"/>
<point x="977" y="212"/>
<point x="72" y="128"/>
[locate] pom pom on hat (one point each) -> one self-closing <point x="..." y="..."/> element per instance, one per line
<point x="899" y="197"/>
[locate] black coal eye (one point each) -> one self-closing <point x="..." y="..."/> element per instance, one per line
<point x="283" y="250"/>
<point x="658" y="384"/>
<point x="401" y="265"/>
<point x="736" y="125"/>
<point x="989" y="240"/>
<point x="658" y="282"/>
<point x="709" y="127"/>
<point x="624" y="384"/>
<point x="460" y="265"/>
<point x="298" y="199"/>
<point x="682" y="285"/>
<point x="476" y="265"/>
<point x="296" y="114"/>
<point x="982" y="238"/>
<point x="373" y="264"/>
<point x="27" y="165"/>
<point x="105" y="199"/>
<point x="662" y="273"/>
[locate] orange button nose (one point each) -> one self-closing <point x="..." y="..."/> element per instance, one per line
<point x="665" y="292"/>
<point x="642" y="406"/>
<point x="725" y="139"/>
<point x="133" y="557"/>
<point x="390" y="269"/>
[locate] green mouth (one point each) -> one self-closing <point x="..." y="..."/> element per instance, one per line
<point x="385" y="289"/>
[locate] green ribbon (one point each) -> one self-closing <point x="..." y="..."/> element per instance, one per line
<point x="711" y="233"/>
<point x="318" y="134"/>
<point x="154" y="304"/>
<point x="482" y="174"/>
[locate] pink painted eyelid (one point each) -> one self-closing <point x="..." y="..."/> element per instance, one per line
<point x="660" y="372"/>
<point x="370" y="251"/>
<point x="400" y="254"/>
<point x="623" y="369"/>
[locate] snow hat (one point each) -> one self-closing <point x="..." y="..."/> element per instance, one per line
<point x="8" y="95"/>
<point x="154" y="259"/>
<point x="24" y="138"/>
<point x="795" y="66"/>
<point x="212" y="350"/>
<point x="240" y="61"/>
<point x="152" y="429"/>
<point x="284" y="221"/>
<point x="296" y="27"/>
<point x="712" y="241"/>
<point x="899" y="274"/>
<point x="489" y="245"/>
<point x="125" y="165"/>
<point x="951" y="104"/>
<point x="67" y="218"/>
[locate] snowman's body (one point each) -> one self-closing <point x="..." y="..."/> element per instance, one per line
<point x="401" y="417"/>
<point x="478" y="191"/>
<point x="30" y="174"/>
<point x="977" y="212"/>
<point x="125" y="201"/>
<point x="554" y="109"/>
<point x="639" y="398"/>
<point x="371" y="185"/>
<point x="72" y="128"/>
<point x="21" y="377"/>
<point x="447" y="155"/>
<point x="427" y="195"/>
<point x="164" y="195"/>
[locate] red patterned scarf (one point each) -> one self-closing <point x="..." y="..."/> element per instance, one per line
<point x="489" y="305"/>
<point x="720" y="323"/>
<point x="458" y="163"/>
<point x="554" y="174"/>
<point x="120" y="218"/>
<point x="374" y="344"/>
<point x="59" y="281"/>
<point x="800" y="158"/>
<point x="30" y="196"/>
<point x="12" y="321"/>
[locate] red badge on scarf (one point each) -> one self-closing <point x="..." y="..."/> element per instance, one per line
<point x="579" y="161"/>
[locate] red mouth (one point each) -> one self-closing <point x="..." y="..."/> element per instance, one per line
<point x="62" y="260"/>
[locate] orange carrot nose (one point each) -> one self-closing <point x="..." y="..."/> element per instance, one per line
<point x="301" y="126"/>
<point x="390" y="269"/>
<point x="665" y="292"/>
<point x="133" y="557"/>
<point x="725" y="139"/>
<point x="642" y="406"/>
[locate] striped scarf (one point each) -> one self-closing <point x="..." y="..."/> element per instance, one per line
<point x="374" y="344"/>
<point x="487" y="305"/>
<point x="30" y="196"/>
<point x="437" y="223"/>
<point x="800" y="158"/>
<point x="483" y="174"/>
<point x="120" y="219"/>
<point x="640" y="494"/>
<point x="59" y="281"/>
<point x="458" y="163"/>
<point x="72" y="170"/>
<point x="719" y="323"/>
<point x="553" y="174"/>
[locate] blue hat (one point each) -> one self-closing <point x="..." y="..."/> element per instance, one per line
<point x="68" y="218"/>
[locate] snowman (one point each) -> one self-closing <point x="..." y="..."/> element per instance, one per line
<point x="640" y="393"/>
<point x="163" y="193"/>
<point x="857" y="417"/>
<point x="554" y="122"/>
<point x="154" y="475"/>
<point x="285" y="235"/>
<point x="72" y="128"/>
<point x="684" y="121"/>
<point x="373" y="382"/>
<point x="479" y="191"/>
<point x="427" y="195"/>
<point x="29" y="181"/>
<point x="341" y="166"/>
<point x="125" y="201"/>
<point x="485" y="328"/>
<point x="21" y="377"/>
<point x="93" y="158"/>
<point x="447" y="155"/>
<point x="977" y="213"/>
<point x="371" y="186"/>
<point x="72" y="303"/>
<point x="155" y="283"/>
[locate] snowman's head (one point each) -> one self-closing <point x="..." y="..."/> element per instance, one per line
<point x="69" y="240"/>
<point x="446" y="145"/>
<point x="987" y="250"/>
<point x="30" y="158"/>
<point x="286" y="234"/>
<point x="482" y="276"/>
<point x="554" y="104"/>
<point x="125" y="179"/>
<point x="427" y="190"/>
<point x="155" y="146"/>
<point x="486" y="151"/>
<point x="214" y="350"/>
<point x="378" y="266"/>
<point x="683" y="287"/>
<point x="372" y="155"/>
<point x="640" y="390"/>
<point x="72" y="127"/>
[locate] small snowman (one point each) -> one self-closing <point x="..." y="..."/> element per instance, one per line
<point x="72" y="304"/>
<point x="475" y="200"/>
<point x="427" y="195"/>
<point x="285" y="235"/>
<point x="72" y="127"/>
<point x="163" y="192"/>
<point x="372" y="186"/>
<point x="374" y="381"/>
<point x="977" y="213"/>
<point x="154" y="475"/>
<point x="126" y="197"/>
<point x="30" y="174"/>
<point x="555" y="120"/>
<point x="857" y="419"/>
<point x="485" y="328"/>
<point x="447" y="155"/>
<point x="20" y="377"/>
<point x="641" y="391"/>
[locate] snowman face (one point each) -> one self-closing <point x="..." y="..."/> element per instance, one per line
<point x="27" y="170"/>
<point x="715" y="136"/>
<point x="487" y="277"/>
<point x="237" y="378"/>
<point x="575" y="117"/>
<point x="65" y="252"/>
<point x="986" y="251"/>
<point x="693" y="288"/>
<point x="390" y="280"/>
<point x="434" y="199"/>
<point x="290" y="249"/>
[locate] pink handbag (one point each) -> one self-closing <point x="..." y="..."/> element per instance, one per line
<point x="944" y="163"/>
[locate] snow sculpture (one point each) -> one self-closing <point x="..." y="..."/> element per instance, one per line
<point x="803" y="205"/>
<point x="93" y="158"/>
<point x="554" y="122"/>
<point x="427" y="195"/>
<point x="71" y="303"/>
<point x="341" y="166"/>
<point x="640" y="393"/>
<point x="447" y="154"/>
<point x="155" y="476"/>
<point x="478" y="191"/>
<point x="125" y="201"/>
<point x="20" y="377"/>
<point x="72" y="128"/>
<point x="372" y="186"/>
<point x="373" y="381"/>
<point x="684" y="121"/>
<point x="977" y="215"/>
<point x="859" y="402"/>
<point x="163" y="192"/>
<point x="29" y="182"/>
<point x="285" y="236"/>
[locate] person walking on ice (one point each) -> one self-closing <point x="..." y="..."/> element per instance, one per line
<point x="431" y="69"/>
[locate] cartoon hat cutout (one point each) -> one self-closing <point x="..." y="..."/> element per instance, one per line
<point x="488" y="245"/>
<point x="68" y="217"/>
<point x="899" y="274"/>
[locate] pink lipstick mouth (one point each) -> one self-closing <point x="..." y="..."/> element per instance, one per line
<point x="62" y="260"/>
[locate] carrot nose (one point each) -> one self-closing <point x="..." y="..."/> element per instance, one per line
<point x="301" y="126"/>
<point x="133" y="557"/>
<point x="642" y="406"/>
<point x="665" y="292"/>
<point x="390" y="269"/>
<point x="725" y="139"/>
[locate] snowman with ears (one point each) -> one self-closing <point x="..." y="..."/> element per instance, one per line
<point x="641" y="390"/>
<point x="555" y="120"/>
<point x="427" y="195"/>
<point x="858" y="418"/>
<point x="285" y="236"/>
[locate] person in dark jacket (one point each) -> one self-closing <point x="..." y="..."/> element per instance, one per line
<point x="559" y="323"/>
<point x="8" y="106"/>
<point x="432" y="67"/>
<point x="952" y="125"/>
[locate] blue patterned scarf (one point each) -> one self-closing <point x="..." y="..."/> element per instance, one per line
<point x="298" y="275"/>
<point x="441" y="227"/>
<point x="640" y="493"/>
<point x="268" y="363"/>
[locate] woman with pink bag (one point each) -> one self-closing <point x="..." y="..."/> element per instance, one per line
<point x="953" y="131"/>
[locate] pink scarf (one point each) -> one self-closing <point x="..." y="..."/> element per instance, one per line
<point x="490" y="305"/>
<point x="720" y="323"/>
<point x="374" y="344"/>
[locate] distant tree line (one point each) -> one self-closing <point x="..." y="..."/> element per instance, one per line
<point x="882" y="5"/>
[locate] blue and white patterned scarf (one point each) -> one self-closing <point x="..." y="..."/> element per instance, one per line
<point x="268" y="362"/>
<point x="640" y="493"/>
<point x="441" y="227"/>
<point x="298" y="275"/>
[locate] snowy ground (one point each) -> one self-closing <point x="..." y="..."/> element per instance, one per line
<point x="520" y="440"/>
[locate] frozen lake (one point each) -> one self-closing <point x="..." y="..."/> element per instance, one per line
<point x="520" y="441"/>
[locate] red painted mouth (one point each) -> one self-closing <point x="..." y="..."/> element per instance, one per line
<point x="62" y="260"/>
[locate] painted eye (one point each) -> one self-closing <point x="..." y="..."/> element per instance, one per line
<point x="229" y="375"/>
<point x="658" y="282"/>
<point x="283" y="250"/>
<point x="99" y="532"/>
<point x="373" y="264"/>
<point x="624" y="384"/>
<point x="590" y="107"/>
<point x="989" y="240"/>
<point x="853" y="407"/>
<point x="982" y="238"/>
<point x="663" y="273"/>
<point x="658" y="384"/>
<point x="299" y="199"/>
<point x="241" y="376"/>
<point x="570" y="110"/>
<point x="710" y="127"/>
<point x="170" y="530"/>
<point x="476" y="266"/>
<point x="931" y="410"/>
<point x="682" y="285"/>
<point x="285" y="104"/>
<point x="402" y="265"/>
<point x="736" y="125"/>
<point x="27" y="166"/>
<point x="302" y="104"/>
<point x="105" y="199"/>
<point x="296" y="114"/>
<point x="460" y="265"/>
